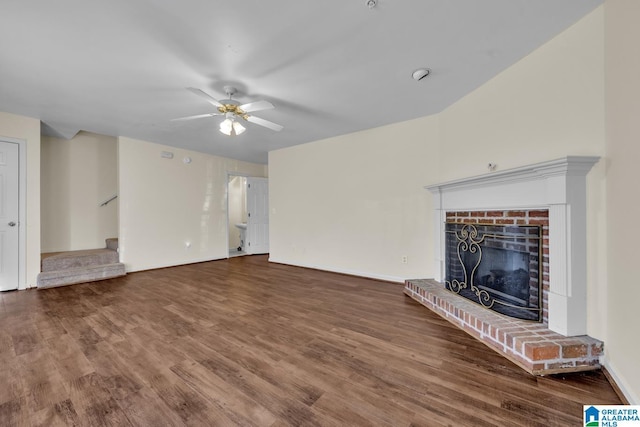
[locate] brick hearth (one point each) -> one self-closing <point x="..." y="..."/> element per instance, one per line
<point x="530" y="345"/>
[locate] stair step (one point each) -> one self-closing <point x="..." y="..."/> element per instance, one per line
<point x="58" y="261"/>
<point x="112" y="243"/>
<point x="70" y="276"/>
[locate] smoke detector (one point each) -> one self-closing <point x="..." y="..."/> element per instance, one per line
<point x="371" y="3"/>
<point x="420" y="74"/>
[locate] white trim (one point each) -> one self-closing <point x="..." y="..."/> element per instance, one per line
<point x="342" y="271"/>
<point x="145" y="267"/>
<point x="22" y="209"/>
<point x="620" y="382"/>
<point x="558" y="186"/>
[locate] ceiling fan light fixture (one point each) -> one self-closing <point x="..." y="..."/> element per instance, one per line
<point x="238" y="128"/>
<point x="231" y="128"/>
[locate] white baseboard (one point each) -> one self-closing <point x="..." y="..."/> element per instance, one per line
<point x="144" y="267"/>
<point x="369" y="275"/>
<point x="620" y="382"/>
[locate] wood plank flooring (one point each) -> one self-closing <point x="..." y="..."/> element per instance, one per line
<point x="246" y="342"/>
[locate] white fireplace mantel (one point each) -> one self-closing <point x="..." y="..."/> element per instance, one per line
<point x="557" y="185"/>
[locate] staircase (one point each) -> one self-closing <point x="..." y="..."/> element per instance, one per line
<point x="68" y="268"/>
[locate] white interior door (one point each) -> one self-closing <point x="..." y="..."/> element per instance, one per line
<point x="9" y="224"/>
<point x="257" y="216"/>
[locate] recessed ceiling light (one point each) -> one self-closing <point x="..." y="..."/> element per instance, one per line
<point x="420" y="74"/>
<point x="372" y="3"/>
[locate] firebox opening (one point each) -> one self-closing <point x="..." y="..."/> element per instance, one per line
<point x="496" y="266"/>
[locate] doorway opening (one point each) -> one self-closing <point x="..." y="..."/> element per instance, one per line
<point x="237" y="214"/>
<point x="247" y="215"/>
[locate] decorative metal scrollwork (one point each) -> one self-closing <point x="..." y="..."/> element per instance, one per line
<point x="469" y="242"/>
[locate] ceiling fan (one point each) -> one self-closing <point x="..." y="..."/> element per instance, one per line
<point x="233" y="112"/>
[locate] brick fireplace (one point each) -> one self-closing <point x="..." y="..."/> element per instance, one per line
<point x="550" y="194"/>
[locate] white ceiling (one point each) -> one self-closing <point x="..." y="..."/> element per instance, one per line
<point x="120" y="67"/>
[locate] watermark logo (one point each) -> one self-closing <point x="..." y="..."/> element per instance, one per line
<point x="592" y="417"/>
<point x="611" y="415"/>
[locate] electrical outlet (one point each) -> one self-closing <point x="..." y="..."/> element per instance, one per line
<point x="404" y="259"/>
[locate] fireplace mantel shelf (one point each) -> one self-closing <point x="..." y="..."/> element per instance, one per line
<point x="570" y="165"/>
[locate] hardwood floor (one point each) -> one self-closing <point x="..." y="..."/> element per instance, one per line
<point x="245" y="342"/>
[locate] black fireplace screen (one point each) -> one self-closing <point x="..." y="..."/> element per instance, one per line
<point x="497" y="266"/>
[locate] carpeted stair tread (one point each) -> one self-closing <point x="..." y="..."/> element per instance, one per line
<point x="75" y="259"/>
<point x="70" y="276"/>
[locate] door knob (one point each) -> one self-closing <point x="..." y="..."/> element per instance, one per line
<point x="12" y="224"/>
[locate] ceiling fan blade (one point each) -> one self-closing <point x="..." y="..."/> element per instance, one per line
<point x="256" y="106"/>
<point x="199" y="116"/>
<point x="205" y="95"/>
<point x="265" y="123"/>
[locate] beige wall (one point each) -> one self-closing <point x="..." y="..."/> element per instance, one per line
<point x="172" y="212"/>
<point x="355" y="203"/>
<point x="28" y="129"/>
<point x="623" y="151"/>
<point x="548" y="105"/>
<point x="77" y="176"/>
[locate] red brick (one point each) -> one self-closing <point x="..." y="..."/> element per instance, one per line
<point x="539" y="214"/>
<point x="538" y="222"/>
<point x="519" y="339"/>
<point x="521" y="214"/>
<point x="505" y="221"/>
<point x="495" y="213"/>
<point x="597" y="349"/>
<point x="541" y="351"/>
<point x="573" y="351"/>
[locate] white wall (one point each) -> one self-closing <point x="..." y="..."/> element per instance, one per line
<point x="356" y="203"/>
<point x="28" y="129"/>
<point x="77" y="176"/>
<point x="166" y="204"/>
<point x="545" y="106"/>
<point x="623" y="151"/>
